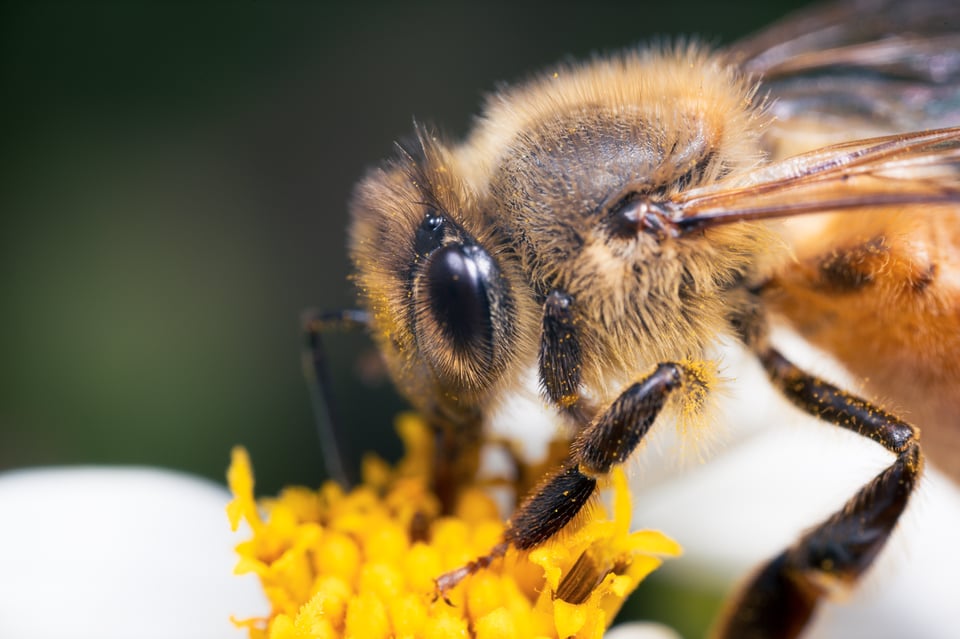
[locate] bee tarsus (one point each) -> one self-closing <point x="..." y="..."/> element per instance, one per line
<point x="447" y="581"/>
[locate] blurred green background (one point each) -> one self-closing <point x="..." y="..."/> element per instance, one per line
<point x="175" y="180"/>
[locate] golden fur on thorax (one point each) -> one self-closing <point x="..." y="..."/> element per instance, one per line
<point x="685" y="86"/>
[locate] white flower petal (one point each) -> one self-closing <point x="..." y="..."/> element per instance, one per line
<point x="641" y="630"/>
<point x="114" y="553"/>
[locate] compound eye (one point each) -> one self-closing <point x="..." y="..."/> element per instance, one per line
<point x="457" y="282"/>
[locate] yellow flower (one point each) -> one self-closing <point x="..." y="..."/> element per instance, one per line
<point x="363" y="563"/>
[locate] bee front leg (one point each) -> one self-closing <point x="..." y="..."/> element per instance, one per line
<point x="606" y="442"/>
<point x="782" y="597"/>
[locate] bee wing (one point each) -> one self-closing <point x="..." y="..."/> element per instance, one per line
<point x="890" y="171"/>
<point x="857" y="69"/>
<point x="793" y="43"/>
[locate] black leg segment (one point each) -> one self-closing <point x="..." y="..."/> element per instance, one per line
<point x="550" y="508"/>
<point x="316" y="371"/>
<point x="610" y="439"/>
<point x="829" y="403"/>
<point x="605" y="443"/>
<point x="783" y="595"/>
<point x="560" y="357"/>
<point x="774" y="604"/>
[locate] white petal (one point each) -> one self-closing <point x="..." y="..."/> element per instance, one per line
<point x="113" y="553"/>
<point x="641" y="630"/>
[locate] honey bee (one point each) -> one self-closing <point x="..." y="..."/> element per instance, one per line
<point x="606" y="224"/>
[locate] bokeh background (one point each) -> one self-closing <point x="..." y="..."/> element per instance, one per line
<point x="174" y="188"/>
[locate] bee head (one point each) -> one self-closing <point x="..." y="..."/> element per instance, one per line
<point x="440" y="286"/>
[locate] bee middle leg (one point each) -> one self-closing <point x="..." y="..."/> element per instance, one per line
<point x="783" y="595"/>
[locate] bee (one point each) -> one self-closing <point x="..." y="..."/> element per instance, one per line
<point x="606" y="224"/>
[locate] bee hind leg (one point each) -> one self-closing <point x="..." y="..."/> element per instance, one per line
<point x="783" y="595"/>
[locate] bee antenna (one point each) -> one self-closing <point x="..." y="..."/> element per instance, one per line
<point x="693" y="223"/>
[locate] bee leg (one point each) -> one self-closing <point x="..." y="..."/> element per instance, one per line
<point x="560" y="358"/>
<point x="315" y="370"/>
<point x="782" y="597"/>
<point x="606" y="442"/>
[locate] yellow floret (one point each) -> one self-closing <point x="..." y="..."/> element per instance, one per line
<point x="363" y="563"/>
